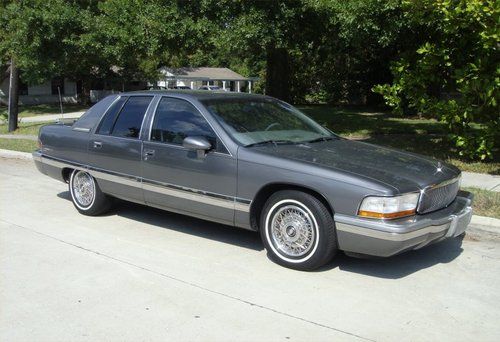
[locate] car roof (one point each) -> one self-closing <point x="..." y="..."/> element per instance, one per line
<point x="195" y="94"/>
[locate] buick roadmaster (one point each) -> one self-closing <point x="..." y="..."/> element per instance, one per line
<point x="258" y="163"/>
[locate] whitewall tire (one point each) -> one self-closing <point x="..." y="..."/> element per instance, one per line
<point x="298" y="230"/>
<point x="86" y="195"/>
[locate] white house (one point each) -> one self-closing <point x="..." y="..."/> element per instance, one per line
<point x="197" y="77"/>
<point x="194" y="78"/>
<point x="47" y="92"/>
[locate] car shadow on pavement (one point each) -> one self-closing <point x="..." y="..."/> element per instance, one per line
<point x="183" y="224"/>
<point x="402" y="265"/>
<point x="394" y="267"/>
<point x="190" y="225"/>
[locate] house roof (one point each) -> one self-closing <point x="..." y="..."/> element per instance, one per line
<point x="198" y="94"/>
<point x="219" y="74"/>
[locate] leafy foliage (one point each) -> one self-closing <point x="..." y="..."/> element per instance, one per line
<point x="432" y="58"/>
<point x="44" y="37"/>
<point x="454" y="75"/>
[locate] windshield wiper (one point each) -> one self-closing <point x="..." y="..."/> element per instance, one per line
<point x="271" y="141"/>
<point x="320" y="139"/>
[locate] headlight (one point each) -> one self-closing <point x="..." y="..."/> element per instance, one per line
<point x="389" y="207"/>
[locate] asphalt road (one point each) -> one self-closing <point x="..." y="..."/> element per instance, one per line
<point x="140" y="274"/>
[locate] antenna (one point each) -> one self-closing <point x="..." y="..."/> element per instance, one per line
<point x="60" y="104"/>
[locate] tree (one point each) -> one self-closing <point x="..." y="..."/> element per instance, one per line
<point x="254" y="36"/>
<point x="13" y="96"/>
<point x="44" y="38"/>
<point x="454" y="73"/>
<point x="332" y="51"/>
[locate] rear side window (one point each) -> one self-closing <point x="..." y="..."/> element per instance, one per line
<point x="129" y="121"/>
<point x="177" y="119"/>
<point x="125" y="116"/>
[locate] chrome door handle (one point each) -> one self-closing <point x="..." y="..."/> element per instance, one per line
<point x="97" y="144"/>
<point x="149" y="153"/>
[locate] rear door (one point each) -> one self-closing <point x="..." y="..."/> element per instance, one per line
<point x="115" y="149"/>
<point x="179" y="179"/>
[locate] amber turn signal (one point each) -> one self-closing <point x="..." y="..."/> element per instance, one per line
<point x="373" y="214"/>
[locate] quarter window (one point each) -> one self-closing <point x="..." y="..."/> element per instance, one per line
<point x="110" y="116"/>
<point x="177" y="119"/>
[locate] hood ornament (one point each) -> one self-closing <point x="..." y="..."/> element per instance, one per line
<point x="439" y="168"/>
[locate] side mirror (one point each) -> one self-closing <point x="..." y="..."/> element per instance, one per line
<point x="200" y="144"/>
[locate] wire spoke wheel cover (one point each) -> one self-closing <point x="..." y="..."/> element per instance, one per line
<point x="83" y="189"/>
<point x="292" y="230"/>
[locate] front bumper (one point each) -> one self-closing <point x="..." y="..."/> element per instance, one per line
<point x="386" y="238"/>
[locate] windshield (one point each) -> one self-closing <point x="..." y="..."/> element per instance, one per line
<point x="254" y="121"/>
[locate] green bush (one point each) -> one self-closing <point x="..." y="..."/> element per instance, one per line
<point x="454" y="75"/>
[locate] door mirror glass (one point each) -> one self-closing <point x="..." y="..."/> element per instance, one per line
<point x="196" y="143"/>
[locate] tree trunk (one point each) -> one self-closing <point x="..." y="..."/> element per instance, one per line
<point x="278" y="73"/>
<point x="13" y="96"/>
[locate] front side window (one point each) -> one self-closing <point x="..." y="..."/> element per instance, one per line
<point x="177" y="119"/>
<point x="253" y="121"/>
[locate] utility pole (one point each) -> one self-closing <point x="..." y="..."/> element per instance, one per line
<point x="13" y="96"/>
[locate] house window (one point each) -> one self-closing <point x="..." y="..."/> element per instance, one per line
<point x="23" y="88"/>
<point x="79" y="87"/>
<point x="57" y="82"/>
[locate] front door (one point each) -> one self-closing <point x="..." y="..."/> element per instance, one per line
<point x="115" y="149"/>
<point x="183" y="180"/>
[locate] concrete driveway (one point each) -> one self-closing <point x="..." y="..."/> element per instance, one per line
<point x="140" y="274"/>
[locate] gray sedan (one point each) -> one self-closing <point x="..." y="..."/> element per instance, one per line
<point x="258" y="163"/>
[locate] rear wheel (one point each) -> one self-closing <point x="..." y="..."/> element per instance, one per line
<point x="298" y="230"/>
<point x="86" y="195"/>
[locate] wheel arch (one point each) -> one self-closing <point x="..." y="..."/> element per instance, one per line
<point x="66" y="173"/>
<point x="267" y="190"/>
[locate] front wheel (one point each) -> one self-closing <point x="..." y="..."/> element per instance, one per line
<point x="298" y="231"/>
<point x="86" y="195"/>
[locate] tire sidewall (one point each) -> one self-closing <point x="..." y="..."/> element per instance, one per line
<point x="73" y="197"/>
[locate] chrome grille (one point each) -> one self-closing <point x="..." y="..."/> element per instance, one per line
<point x="438" y="196"/>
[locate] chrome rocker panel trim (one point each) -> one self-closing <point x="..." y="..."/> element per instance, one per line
<point x="201" y="196"/>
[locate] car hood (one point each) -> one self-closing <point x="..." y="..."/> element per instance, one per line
<point x="401" y="170"/>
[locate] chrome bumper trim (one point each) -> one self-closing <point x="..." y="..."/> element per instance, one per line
<point x="377" y="234"/>
<point x="452" y="224"/>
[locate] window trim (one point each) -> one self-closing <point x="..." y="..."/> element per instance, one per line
<point x="228" y="152"/>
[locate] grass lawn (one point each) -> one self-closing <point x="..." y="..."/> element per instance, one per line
<point x="22" y="145"/>
<point x="485" y="203"/>
<point x="25" y="111"/>
<point x="24" y="128"/>
<point x="424" y="136"/>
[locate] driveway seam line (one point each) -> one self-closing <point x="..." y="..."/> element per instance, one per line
<point x="192" y="284"/>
